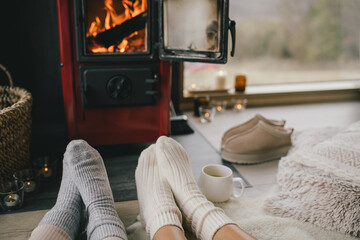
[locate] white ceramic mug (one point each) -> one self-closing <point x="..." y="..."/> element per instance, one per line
<point x="216" y="182"/>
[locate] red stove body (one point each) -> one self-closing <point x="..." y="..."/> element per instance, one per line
<point x="113" y="121"/>
<point x="115" y="87"/>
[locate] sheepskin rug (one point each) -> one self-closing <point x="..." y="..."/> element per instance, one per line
<point x="319" y="180"/>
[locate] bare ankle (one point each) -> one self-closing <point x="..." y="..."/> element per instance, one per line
<point x="169" y="232"/>
<point x="232" y="232"/>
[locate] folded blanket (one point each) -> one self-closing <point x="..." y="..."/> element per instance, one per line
<point x="320" y="184"/>
<point x="340" y="154"/>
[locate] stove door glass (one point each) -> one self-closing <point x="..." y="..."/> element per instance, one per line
<point x="194" y="30"/>
<point x="115" y="26"/>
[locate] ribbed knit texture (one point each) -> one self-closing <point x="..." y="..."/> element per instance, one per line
<point x="45" y="232"/>
<point x="88" y="172"/>
<point x="66" y="212"/>
<point x="112" y="238"/>
<point x="156" y="201"/>
<point x="201" y="215"/>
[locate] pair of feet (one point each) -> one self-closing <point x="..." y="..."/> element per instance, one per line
<point x="167" y="191"/>
<point x="163" y="175"/>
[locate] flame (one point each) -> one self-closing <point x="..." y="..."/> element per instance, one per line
<point x="131" y="8"/>
<point x="238" y="106"/>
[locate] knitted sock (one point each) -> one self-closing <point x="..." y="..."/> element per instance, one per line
<point x="200" y="214"/>
<point x="67" y="210"/>
<point x="47" y="231"/>
<point x="156" y="201"/>
<point x="88" y="172"/>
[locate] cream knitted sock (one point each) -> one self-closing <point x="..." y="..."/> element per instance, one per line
<point x="200" y="214"/>
<point x="156" y="201"/>
<point x="88" y="172"/>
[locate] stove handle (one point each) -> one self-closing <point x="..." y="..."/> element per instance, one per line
<point x="153" y="82"/>
<point x="233" y="35"/>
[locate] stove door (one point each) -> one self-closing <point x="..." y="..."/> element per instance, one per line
<point x="195" y="30"/>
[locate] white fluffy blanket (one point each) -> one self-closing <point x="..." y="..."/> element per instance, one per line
<point x="320" y="180"/>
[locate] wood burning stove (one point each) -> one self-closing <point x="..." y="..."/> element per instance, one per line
<point x="115" y="61"/>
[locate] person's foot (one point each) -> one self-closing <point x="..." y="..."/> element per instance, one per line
<point x="156" y="201"/>
<point x="88" y="172"/>
<point x="63" y="219"/>
<point x="200" y="214"/>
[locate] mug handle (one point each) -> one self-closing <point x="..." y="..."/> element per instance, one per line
<point x="241" y="181"/>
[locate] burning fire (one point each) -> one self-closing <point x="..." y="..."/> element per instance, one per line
<point x="129" y="9"/>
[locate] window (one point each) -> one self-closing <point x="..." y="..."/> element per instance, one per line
<point x="287" y="41"/>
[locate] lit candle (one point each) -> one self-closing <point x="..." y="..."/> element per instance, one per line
<point x="11" y="200"/>
<point x="46" y="171"/>
<point x="206" y="114"/>
<point x="219" y="105"/>
<point x="221" y="79"/>
<point x="29" y="186"/>
<point x="238" y="106"/>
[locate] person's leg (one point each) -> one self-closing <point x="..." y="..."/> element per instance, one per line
<point x="62" y="221"/>
<point x="232" y="232"/>
<point x="204" y="219"/>
<point x="159" y="213"/>
<point x="169" y="232"/>
<point x="88" y="172"/>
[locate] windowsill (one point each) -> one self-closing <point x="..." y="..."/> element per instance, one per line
<point x="280" y="94"/>
<point x="303" y="87"/>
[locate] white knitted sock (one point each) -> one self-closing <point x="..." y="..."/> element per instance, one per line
<point x="200" y="214"/>
<point x="88" y="172"/>
<point x="67" y="210"/>
<point x="156" y="201"/>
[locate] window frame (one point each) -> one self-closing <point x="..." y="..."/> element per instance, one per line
<point x="257" y="99"/>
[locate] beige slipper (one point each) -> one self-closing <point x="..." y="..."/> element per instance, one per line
<point x="260" y="143"/>
<point x="249" y="124"/>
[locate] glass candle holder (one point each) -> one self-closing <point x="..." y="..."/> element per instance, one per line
<point x="11" y="195"/>
<point x="219" y="105"/>
<point x="200" y="101"/>
<point x="29" y="178"/>
<point x="239" y="105"/>
<point x="46" y="168"/>
<point x="207" y="113"/>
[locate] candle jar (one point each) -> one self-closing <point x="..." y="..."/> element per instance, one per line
<point x="200" y="101"/>
<point x="46" y="168"/>
<point x="240" y="83"/>
<point x="219" y="105"/>
<point x="29" y="178"/>
<point x="239" y="105"/>
<point x="11" y="195"/>
<point x="207" y="113"/>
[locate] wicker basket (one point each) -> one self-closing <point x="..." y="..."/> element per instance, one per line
<point x="15" y="127"/>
